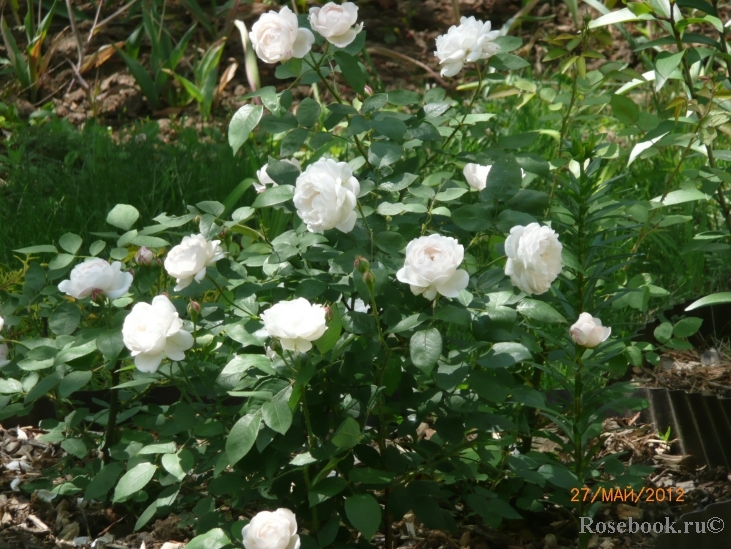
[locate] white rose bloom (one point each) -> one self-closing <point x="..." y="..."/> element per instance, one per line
<point x="476" y="175"/>
<point x="534" y="258"/>
<point x="326" y="195"/>
<point x="470" y="41"/>
<point x="263" y="176"/>
<point x="335" y="22"/>
<point x="97" y="274"/>
<point x="272" y="530"/>
<point x="4" y="355"/>
<point x="431" y="266"/>
<point x="588" y="331"/>
<point x="277" y="37"/>
<point x="154" y="331"/>
<point x="295" y="323"/>
<point x="188" y="260"/>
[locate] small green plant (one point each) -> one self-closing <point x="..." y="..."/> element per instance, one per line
<point x="30" y="66"/>
<point x="164" y="58"/>
<point x="204" y="88"/>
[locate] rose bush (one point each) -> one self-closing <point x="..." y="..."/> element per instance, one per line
<point x="362" y="294"/>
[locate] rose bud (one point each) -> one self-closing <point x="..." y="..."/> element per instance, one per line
<point x="194" y="310"/>
<point x="144" y="257"/>
<point x="370" y="280"/>
<point x="361" y="265"/>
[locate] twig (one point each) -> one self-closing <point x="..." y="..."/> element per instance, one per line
<point x="75" y="30"/>
<point x="116" y="14"/>
<point x="96" y="20"/>
<point x="390" y="53"/>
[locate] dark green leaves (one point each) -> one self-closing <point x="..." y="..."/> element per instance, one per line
<point x="274" y="195"/>
<point x="625" y="110"/>
<point x="503" y="181"/>
<point x="134" y="480"/>
<point x="425" y="348"/>
<point x="242" y="124"/>
<point x="352" y="71"/>
<point x="364" y="513"/>
<point x="242" y="437"/>
<point x="277" y="415"/>
<point x="347" y="434"/>
<point x="308" y="112"/>
<point x="65" y="319"/>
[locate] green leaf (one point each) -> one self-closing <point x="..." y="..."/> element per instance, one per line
<point x="123" y="216"/>
<point x="110" y="344"/>
<point x="540" y="311"/>
<point x="384" y="153"/>
<point x="347" y="435"/>
<point x="713" y="299"/>
<point x="213" y="539"/>
<point x="473" y="218"/>
<point x="508" y="62"/>
<point x="70" y="242"/>
<point x="667" y="62"/>
<point x="45" y="248"/>
<point x="96" y="247"/>
<point x="425" y="348"/>
<point x="364" y="514"/>
<point x="625" y="110"/>
<point x="134" y="480"/>
<point x="274" y="195"/>
<point x="508" y="43"/>
<point x="409" y="323"/>
<point x="277" y="415"/>
<point x="73" y="382"/>
<point x="242" y="124"/>
<point x="503" y="181"/>
<point x="75" y="447"/>
<point x="402" y="98"/>
<point x="65" y="319"/>
<point x="242" y="437"/>
<point x="374" y="102"/>
<point x="391" y="127"/>
<point x="687" y="326"/>
<point x="278" y="124"/>
<point x="664" y="332"/>
<point x="352" y="71"/>
<point x="146" y="516"/>
<point x="72" y="353"/>
<point x="60" y="261"/>
<point x="166" y="448"/>
<point x="103" y="481"/>
<point x="172" y="464"/>
<point x="308" y="112"/>
<point x="293" y="141"/>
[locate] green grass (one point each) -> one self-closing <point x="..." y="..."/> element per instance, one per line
<point x="60" y="179"/>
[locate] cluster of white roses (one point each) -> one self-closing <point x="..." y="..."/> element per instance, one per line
<point x="277" y="36"/>
<point x="150" y="331"/>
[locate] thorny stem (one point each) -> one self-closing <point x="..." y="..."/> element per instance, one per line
<point x="368" y="228"/>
